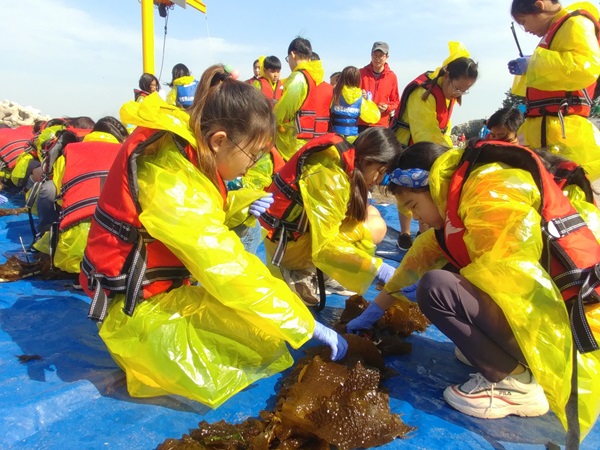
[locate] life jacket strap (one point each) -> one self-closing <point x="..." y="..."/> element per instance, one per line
<point x="81" y="178"/>
<point x="124" y="231"/>
<point x="582" y="333"/>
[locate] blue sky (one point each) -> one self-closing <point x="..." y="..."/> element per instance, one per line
<point x="69" y="57"/>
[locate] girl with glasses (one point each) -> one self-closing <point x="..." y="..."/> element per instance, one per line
<point x="426" y="106"/>
<point x="183" y="308"/>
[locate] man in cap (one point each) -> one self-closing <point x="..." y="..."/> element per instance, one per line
<point x="380" y="85"/>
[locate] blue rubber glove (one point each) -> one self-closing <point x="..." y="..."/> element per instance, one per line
<point x="335" y="341"/>
<point x="385" y="272"/>
<point x="366" y="320"/>
<point x="261" y="205"/>
<point x="3" y="199"/>
<point x="518" y="66"/>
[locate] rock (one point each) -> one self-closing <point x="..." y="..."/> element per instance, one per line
<point x="14" y="115"/>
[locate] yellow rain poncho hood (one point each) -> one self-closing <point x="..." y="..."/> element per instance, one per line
<point x="503" y="237"/>
<point x="571" y="63"/>
<point x="421" y="115"/>
<point x="204" y="342"/>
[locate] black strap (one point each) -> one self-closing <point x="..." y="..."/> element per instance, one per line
<point x="75" y="206"/>
<point x="322" y="293"/>
<point x="572" y="410"/>
<point x="582" y="333"/>
<point x="53" y="241"/>
<point x="81" y="178"/>
<point x="135" y="277"/>
<point x="123" y="230"/>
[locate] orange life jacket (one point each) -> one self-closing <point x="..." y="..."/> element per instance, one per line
<point x="14" y="142"/>
<point x="120" y="256"/>
<point x="571" y="254"/>
<point x="443" y="110"/>
<point x="561" y="103"/>
<point x="272" y="93"/>
<point x="312" y="119"/>
<point x="283" y="220"/>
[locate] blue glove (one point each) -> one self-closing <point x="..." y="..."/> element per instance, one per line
<point x="261" y="205"/>
<point x="335" y="341"/>
<point x="366" y="320"/>
<point x="3" y="199"/>
<point x="385" y="272"/>
<point x="518" y="66"/>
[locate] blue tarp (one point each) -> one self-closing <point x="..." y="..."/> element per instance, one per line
<point x="75" y="396"/>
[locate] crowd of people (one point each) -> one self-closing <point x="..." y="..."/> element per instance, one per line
<point x="160" y="214"/>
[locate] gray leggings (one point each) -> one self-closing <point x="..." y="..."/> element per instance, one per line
<point x="472" y="320"/>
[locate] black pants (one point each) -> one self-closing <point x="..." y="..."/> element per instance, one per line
<point x="472" y="320"/>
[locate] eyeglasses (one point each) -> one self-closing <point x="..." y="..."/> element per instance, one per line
<point x="287" y="59"/>
<point x="456" y="91"/>
<point x="378" y="55"/>
<point x="253" y="158"/>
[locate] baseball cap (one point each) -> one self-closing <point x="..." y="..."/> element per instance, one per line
<point x="381" y="46"/>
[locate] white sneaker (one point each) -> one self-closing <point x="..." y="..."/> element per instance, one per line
<point x="461" y="357"/>
<point x="479" y="397"/>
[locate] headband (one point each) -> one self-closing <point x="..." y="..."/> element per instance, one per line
<point x="410" y="178"/>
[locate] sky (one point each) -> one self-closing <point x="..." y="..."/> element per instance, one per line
<point x="84" y="57"/>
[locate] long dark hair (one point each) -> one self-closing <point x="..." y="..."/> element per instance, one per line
<point x="239" y="109"/>
<point x="350" y="76"/>
<point x="179" y="70"/>
<point x="374" y="145"/>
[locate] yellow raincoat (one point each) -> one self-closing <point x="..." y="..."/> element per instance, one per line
<point x="571" y="63"/>
<point x="504" y="239"/>
<point x="369" y="111"/>
<point x="295" y="90"/>
<point x="421" y="115"/>
<point x="71" y="243"/>
<point x="342" y="248"/>
<point x="209" y="341"/>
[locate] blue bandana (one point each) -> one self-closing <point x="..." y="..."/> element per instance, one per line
<point x="410" y="178"/>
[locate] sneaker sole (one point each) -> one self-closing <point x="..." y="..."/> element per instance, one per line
<point x="502" y="407"/>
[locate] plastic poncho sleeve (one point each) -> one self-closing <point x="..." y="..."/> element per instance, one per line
<point x="237" y="205"/>
<point x="260" y="176"/>
<point x="295" y="91"/>
<point x="424" y="255"/>
<point x="504" y="240"/>
<point x="422" y="117"/>
<point x="343" y="249"/>
<point x="575" y="66"/>
<point x="17" y="176"/>
<point x="183" y="209"/>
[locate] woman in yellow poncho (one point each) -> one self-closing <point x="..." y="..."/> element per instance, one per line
<point x="211" y="340"/>
<point x="502" y="310"/>
<point x="426" y="107"/>
<point x="558" y="79"/>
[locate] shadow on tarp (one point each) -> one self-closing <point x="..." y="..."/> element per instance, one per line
<point x="52" y="323"/>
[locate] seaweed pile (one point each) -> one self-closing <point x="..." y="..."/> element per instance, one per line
<point x="320" y="404"/>
<point x="401" y="320"/>
<point x="324" y="403"/>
